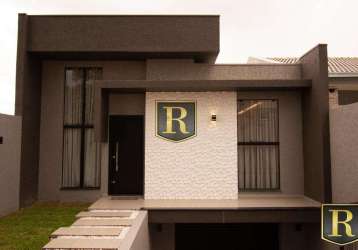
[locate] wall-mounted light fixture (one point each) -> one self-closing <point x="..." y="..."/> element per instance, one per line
<point x="213" y="117"/>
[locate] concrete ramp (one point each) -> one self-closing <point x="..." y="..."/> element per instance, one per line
<point x="104" y="229"/>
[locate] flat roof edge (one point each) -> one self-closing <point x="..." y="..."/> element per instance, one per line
<point x="120" y="15"/>
<point x="202" y="85"/>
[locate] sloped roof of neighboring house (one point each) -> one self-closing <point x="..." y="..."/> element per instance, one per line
<point x="344" y="66"/>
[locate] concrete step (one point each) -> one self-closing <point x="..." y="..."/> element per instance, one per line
<point x="87" y="231"/>
<point x="103" y="222"/>
<point x="107" y="203"/>
<point x="82" y="243"/>
<point x="104" y="214"/>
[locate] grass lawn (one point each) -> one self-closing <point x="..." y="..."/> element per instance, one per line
<point x="29" y="228"/>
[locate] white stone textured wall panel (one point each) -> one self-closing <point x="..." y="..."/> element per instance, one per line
<point x="203" y="167"/>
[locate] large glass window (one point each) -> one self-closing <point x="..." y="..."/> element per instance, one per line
<point x="258" y="145"/>
<point x="81" y="155"/>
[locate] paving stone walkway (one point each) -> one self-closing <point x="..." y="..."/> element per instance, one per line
<point x="94" y="229"/>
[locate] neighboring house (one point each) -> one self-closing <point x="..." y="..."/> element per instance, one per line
<point x="344" y="147"/>
<point x="342" y="72"/>
<point x="343" y="101"/>
<point x="133" y="111"/>
<point x="10" y="149"/>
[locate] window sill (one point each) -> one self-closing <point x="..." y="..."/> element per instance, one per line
<point x="79" y="188"/>
<point x="260" y="190"/>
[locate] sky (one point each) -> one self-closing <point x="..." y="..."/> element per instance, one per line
<point x="263" y="28"/>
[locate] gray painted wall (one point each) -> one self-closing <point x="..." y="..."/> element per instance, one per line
<point x="174" y="69"/>
<point x="316" y="148"/>
<point x="51" y="130"/>
<point x="344" y="148"/>
<point x="290" y="136"/>
<point x="126" y="104"/>
<point x="10" y="150"/>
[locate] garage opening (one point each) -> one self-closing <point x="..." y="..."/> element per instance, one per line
<point x="243" y="236"/>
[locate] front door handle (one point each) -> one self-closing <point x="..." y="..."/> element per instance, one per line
<point x="117" y="148"/>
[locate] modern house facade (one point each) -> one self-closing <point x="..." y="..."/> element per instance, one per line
<point x="134" y="107"/>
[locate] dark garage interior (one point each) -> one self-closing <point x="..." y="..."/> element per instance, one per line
<point x="243" y="236"/>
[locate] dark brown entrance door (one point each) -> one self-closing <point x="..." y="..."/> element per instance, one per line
<point x="126" y="155"/>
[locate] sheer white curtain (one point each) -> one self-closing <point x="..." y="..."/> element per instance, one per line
<point x="72" y="133"/>
<point x="258" y="148"/>
<point x="73" y="97"/>
<point x="92" y="160"/>
<point x="92" y="156"/>
<point x="81" y="155"/>
<point x="71" y="158"/>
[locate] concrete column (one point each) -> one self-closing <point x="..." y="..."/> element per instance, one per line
<point x="317" y="165"/>
<point x="28" y="106"/>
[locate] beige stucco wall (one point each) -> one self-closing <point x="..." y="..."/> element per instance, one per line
<point x="10" y="149"/>
<point x="344" y="156"/>
<point x="203" y="167"/>
<point x="290" y="136"/>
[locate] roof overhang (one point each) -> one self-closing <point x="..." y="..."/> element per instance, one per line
<point x="201" y="85"/>
<point x="343" y="75"/>
<point x="122" y="36"/>
<point x="104" y="87"/>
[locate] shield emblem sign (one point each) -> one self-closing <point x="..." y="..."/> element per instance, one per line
<point x="340" y="223"/>
<point x="176" y="120"/>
